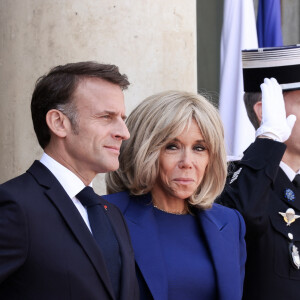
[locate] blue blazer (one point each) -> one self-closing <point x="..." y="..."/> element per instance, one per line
<point x="224" y="230"/>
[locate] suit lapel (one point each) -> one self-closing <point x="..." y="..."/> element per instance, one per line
<point x="57" y="195"/>
<point x="148" y="254"/>
<point x="223" y="253"/>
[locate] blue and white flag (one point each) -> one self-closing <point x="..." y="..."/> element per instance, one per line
<point x="238" y="33"/>
<point x="269" y="23"/>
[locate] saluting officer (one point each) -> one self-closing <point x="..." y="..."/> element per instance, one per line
<point x="263" y="185"/>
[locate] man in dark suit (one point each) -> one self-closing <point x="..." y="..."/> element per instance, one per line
<point x="48" y="245"/>
<point x="263" y="185"/>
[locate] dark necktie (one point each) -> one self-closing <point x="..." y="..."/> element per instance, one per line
<point x="296" y="180"/>
<point x="103" y="234"/>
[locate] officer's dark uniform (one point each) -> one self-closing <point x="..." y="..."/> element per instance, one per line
<point x="259" y="189"/>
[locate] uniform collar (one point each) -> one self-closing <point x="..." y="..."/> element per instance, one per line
<point x="290" y="173"/>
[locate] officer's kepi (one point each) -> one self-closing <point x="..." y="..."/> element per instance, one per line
<point x="282" y="63"/>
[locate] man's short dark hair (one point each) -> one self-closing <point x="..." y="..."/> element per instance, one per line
<point x="250" y="99"/>
<point x="55" y="90"/>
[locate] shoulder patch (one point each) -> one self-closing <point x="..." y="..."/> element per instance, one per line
<point x="235" y="175"/>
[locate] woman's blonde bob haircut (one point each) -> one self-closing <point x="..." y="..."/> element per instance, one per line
<point x="154" y="123"/>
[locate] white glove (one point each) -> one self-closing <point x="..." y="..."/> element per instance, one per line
<point x="274" y="122"/>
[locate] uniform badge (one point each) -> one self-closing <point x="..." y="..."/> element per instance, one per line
<point x="235" y="175"/>
<point x="289" y="195"/>
<point x="294" y="255"/>
<point x="289" y="216"/>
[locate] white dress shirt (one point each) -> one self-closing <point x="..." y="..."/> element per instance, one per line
<point x="290" y="173"/>
<point x="69" y="181"/>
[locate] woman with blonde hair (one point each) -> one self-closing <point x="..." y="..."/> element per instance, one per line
<point x="171" y="170"/>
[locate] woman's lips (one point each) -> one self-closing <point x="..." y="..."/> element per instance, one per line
<point x="184" y="181"/>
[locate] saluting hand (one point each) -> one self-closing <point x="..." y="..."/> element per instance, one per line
<point x="274" y="124"/>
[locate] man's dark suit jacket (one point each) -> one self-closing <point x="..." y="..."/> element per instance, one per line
<point x="258" y="190"/>
<point x="46" y="249"/>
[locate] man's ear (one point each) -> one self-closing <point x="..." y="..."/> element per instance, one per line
<point x="58" y="123"/>
<point x="258" y="110"/>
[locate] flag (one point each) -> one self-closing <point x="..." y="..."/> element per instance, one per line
<point x="269" y="23"/>
<point x="238" y="33"/>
